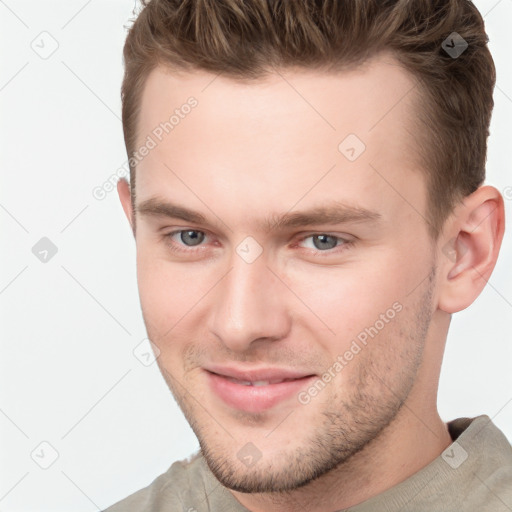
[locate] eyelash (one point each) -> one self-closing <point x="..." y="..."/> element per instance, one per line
<point x="173" y="246"/>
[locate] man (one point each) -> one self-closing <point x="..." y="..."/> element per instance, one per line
<point x="307" y="203"/>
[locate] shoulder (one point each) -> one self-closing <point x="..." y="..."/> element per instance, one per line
<point x="477" y="466"/>
<point x="473" y="473"/>
<point x="490" y="482"/>
<point x="169" y="492"/>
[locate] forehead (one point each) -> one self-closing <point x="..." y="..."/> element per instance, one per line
<point x="295" y="135"/>
<point x="361" y="98"/>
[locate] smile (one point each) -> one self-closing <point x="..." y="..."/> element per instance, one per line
<point x="256" y="395"/>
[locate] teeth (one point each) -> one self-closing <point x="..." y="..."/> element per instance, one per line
<point x="256" y="382"/>
<point x="260" y="383"/>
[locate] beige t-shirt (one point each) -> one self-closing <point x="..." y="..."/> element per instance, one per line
<point x="474" y="474"/>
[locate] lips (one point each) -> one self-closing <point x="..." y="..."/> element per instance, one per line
<point x="272" y="375"/>
<point x="256" y="390"/>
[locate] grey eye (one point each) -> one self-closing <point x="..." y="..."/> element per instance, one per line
<point x="191" y="237"/>
<point x="324" y="242"/>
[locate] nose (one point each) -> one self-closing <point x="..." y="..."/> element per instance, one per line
<point x="249" y="305"/>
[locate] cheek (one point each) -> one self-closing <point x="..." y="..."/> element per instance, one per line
<point x="162" y="289"/>
<point x="164" y="303"/>
<point x="347" y="300"/>
<point x="172" y="294"/>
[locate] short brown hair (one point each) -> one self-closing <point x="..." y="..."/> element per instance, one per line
<point x="245" y="39"/>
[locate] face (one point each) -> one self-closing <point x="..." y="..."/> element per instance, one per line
<point x="285" y="270"/>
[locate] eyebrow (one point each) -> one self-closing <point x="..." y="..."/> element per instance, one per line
<point x="332" y="213"/>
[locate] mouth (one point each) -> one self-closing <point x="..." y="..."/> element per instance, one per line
<point x="257" y="394"/>
<point x="256" y="382"/>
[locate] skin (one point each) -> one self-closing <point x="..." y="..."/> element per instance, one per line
<point x="248" y="151"/>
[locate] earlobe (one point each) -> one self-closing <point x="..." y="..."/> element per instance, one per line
<point x="123" y="189"/>
<point x="469" y="257"/>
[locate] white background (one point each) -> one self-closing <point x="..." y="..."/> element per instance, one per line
<point x="69" y="326"/>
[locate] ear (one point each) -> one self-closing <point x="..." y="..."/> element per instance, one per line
<point x="123" y="189"/>
<point x="469" y="247"/>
